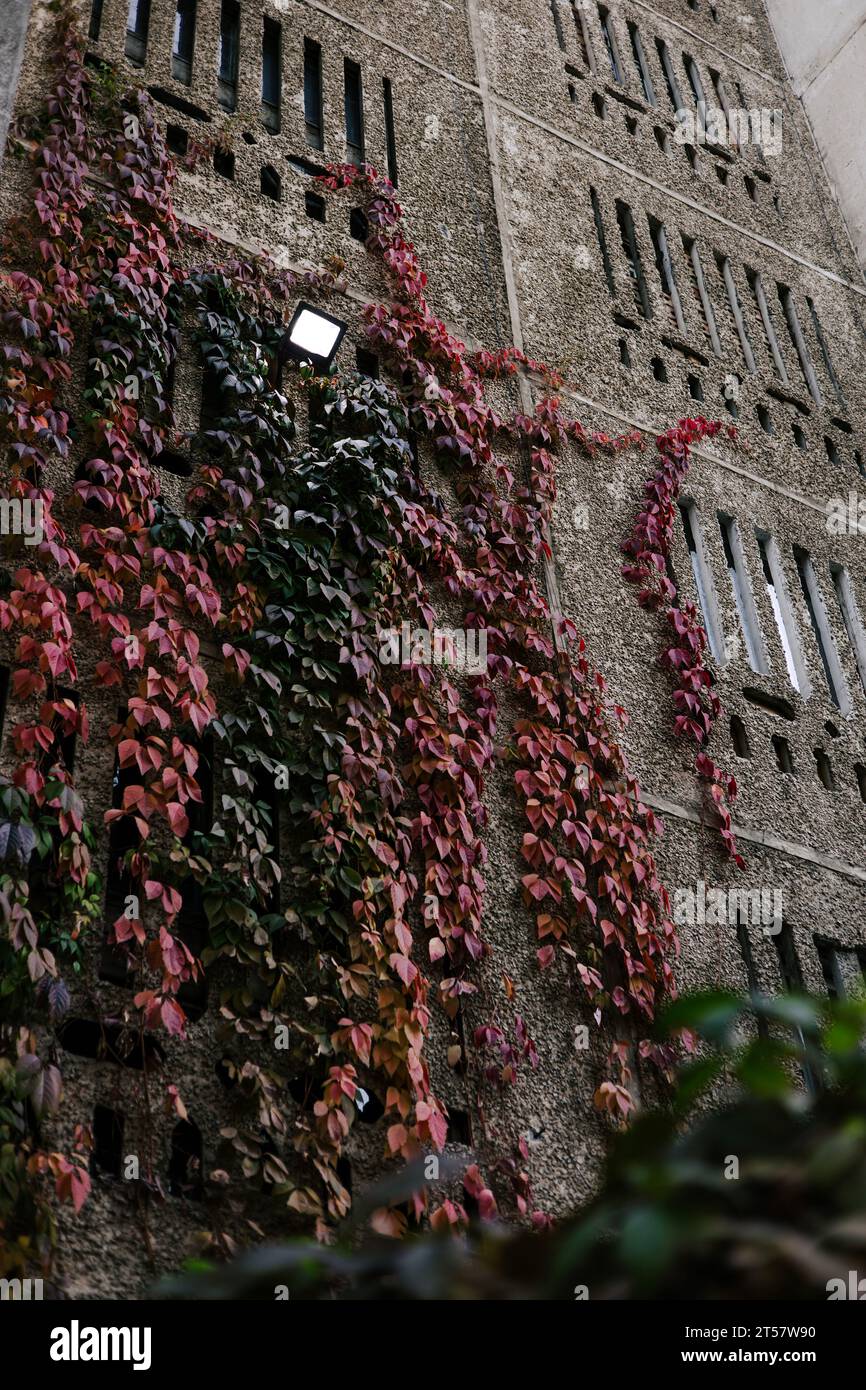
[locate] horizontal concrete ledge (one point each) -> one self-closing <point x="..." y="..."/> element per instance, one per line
<point x="764" y="838"/>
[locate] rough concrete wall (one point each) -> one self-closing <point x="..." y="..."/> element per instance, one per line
<point x="824" y="48"/>
<point x="504" y="123"/>
<point x="13" y="32"/>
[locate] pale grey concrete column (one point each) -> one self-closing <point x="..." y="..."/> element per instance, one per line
<point x="13" y="31"/>
<point x="823" y="43"/>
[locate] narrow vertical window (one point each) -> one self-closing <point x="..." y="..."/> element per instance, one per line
<point x="824" y="769"/>
<point x="354" y="112"/>
<point x="786" y="299"/>
<point x="740" y="737"/>
<point x="313" y="108"/>
<point x="583" y="38"/>
<point x="670" y="76"/>
<point x="825" y="354"/>
<point x="703" y="580"/>
<point x="754" y="278"/>
<point x="641" y="63"/>
<point x="792" y="980"/>
<point x="734" y="301"/>
<point x="183" y="42"/>
<point x="782" y="750"/>
<point x="783" y="614"/>
<point x="665" y="269"/>
<point x="184" y="1168"/>
<point x="107" y="1153"/>
<point x="742" y="591"/>
<point x="821" y="629"/>
<point x="272" y="77"/>
<point x="95" y="23"/>
<point x="850" y="617"/>
<point x="610" y="43"/>
<point x="630" y="246"/>
<point x="390" y="137"/>
<point x="557" y="23"/>
<point x="724" y="106"/>
<point x="137" y="25"/>
<point x="706" y="304"/>
<point x="745" y="943"/>
<point x="227" y="78"/>
<point x="697" y="86"/>
<point x="602" y="243"/>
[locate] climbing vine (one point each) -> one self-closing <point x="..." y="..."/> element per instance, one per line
<point x="280" y="573"/>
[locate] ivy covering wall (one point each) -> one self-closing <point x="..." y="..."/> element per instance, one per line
<point x="279" y="574"/>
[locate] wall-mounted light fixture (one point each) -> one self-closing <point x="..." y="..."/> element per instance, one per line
<point x="312" y="336"/>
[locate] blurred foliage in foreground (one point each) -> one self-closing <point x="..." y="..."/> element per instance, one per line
<point x="668" y="1222"/>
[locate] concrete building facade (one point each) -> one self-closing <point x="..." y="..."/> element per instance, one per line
<point x="629" y="192"/>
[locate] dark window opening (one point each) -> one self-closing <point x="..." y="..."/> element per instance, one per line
<point x="224" y="162"/>
<point x="172" y="462"/>
<point x="602" y="242"/>
<point x="183" y="42"/>
<point x="696" y="390"/>
<point x="314" y="206"/>
<point x="359" y="228"/>
<point x="799" y="436"/>
<point x="557" y="24"/>
<point x="860" y="774"/>
<point x="185" y="1163"/>
<point x="624" y="354"/>
<point x="137" y="25"/>
<point x="368" y="1105"/>
<point x="95" y="23"/>
<point x="109" y="1042"/>
<point x="459" y="1127"/>
<point x="313" y="110"/>
<point x="214" y="403"/>
<point x="227" y="74"/>
<point x="354" y="107"/>
<point x="805" y="572"/>
<point x="107" y="1153"/>
<point x="177" y="139"/>
<point x="367" y="363"/>
<point x="825" y="770"/>
<point x="62" y="749"/>
<point x="831" y="450"/>
<point x="750" y="188"/>
<point x="782" y="749"/>
<point x="660" y="371"/>
<point x="792" y="980"/>
<point x="745" y="943"/>
<point x="740" y="737"/>
<point x="390" y="136"/>
<point x="599" y="105"/>
<point x="271" y="183"/>
<point x="766" y="419"/>
<point x="641" y="63"/>
<point x="630" y="246"/>
<point x="662" y="140"/>
<point x="227" y="1073"/>
<point x="271" y="74"/>
<point x="610" y="43"/>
